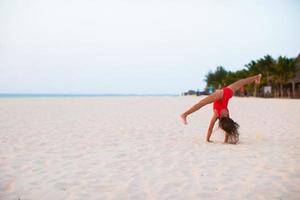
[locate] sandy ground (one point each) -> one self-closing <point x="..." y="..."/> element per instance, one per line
<point x="137" y="148"/>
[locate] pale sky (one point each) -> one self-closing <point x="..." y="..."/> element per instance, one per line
<point x="137" y="46"/>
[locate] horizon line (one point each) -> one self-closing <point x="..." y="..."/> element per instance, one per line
<point x="82" y="94"/>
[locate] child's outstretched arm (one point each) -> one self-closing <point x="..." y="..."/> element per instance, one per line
<point x="211" y="126"/>
<point x="207" y="100"/>
<point x="226" y="138"/>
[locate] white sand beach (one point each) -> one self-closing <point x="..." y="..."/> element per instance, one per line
<point x="137" y="148"/>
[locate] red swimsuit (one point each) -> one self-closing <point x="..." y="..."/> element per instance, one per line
<point x="222" y="103"/>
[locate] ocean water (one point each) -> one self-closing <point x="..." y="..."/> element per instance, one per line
<point x="39" y="95"/>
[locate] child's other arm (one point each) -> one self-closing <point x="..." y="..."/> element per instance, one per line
<point x="211" y="126"/>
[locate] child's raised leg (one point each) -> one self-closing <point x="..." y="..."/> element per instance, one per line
<point x="240" y="83"/>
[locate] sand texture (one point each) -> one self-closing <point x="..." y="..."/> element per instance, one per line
<point x="137" y="148"/>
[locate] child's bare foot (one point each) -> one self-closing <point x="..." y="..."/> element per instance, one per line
<point x="183" y="118"/>
<point x="257" y="81"/>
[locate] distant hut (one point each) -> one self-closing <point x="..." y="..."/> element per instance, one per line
<point x="190" y="92"/>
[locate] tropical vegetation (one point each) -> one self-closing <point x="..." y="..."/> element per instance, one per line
<point x="276" y="73"/>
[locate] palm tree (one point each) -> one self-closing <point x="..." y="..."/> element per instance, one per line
<point x="210" y="79"/>
<point x="216" y="78"/>
<point x="293" y="69"/>
<point x="283" y="70"/>
<point x="265" y="66"/>
<point x="253" y="69"/>
<point x="220" y="75"/>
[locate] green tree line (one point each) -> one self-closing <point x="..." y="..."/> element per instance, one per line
<point x="275" y="73"/>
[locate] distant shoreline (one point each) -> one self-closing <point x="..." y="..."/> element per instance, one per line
<point x="38" y="95"/>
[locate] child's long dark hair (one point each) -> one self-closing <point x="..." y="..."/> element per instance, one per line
<point x="231" y="128"/>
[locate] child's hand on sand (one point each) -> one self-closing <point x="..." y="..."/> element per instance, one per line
<point x="257" y="81"/>
<point x="183" y="118"/>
